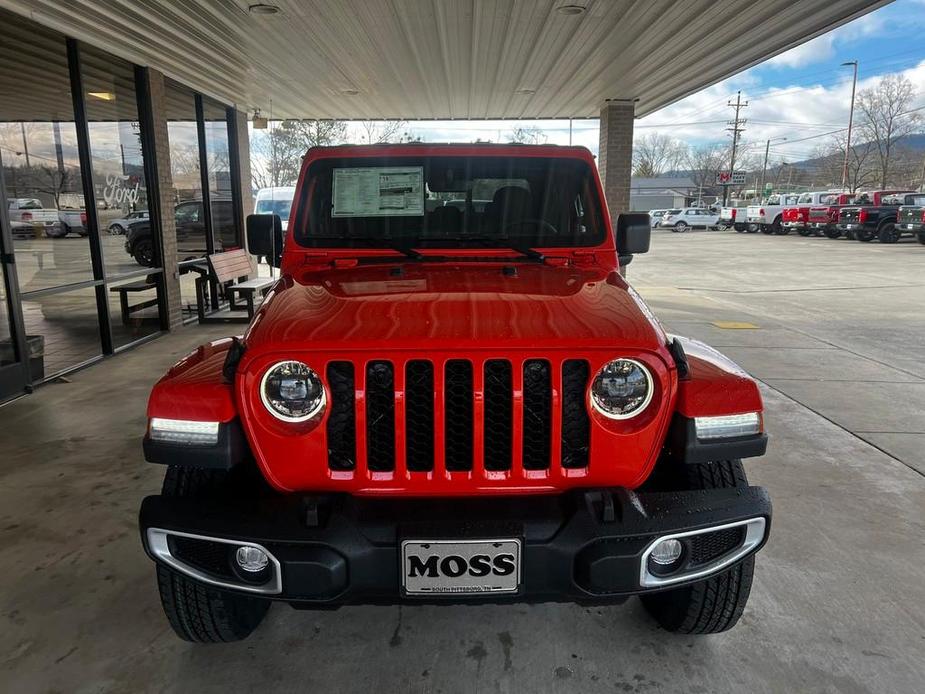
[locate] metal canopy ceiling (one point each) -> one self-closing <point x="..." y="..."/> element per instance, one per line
<point x="417" y="59"/>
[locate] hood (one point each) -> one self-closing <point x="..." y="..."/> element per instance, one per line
<point x="453" y="306"/>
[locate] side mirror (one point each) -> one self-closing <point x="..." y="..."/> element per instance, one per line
<point x="265" y="237"/>
<point x="634" y="231"/>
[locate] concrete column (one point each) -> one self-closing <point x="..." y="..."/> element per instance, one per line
<point x="615" y="156"/>
<point x="166" y="203"/>
<point x="246" y="191"/>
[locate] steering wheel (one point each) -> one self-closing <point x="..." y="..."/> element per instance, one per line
<point x="542" y="223"/>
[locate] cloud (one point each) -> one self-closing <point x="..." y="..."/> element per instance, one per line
<point x="819" y="49"/>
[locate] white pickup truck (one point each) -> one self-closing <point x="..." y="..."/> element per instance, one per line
<point x="28" y="217"/>
<point x="769" y="216"/>
<point x="736" y="217"/>
<point x="73" y="222"/>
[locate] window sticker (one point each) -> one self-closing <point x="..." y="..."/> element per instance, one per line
<point x="388" y="191"/>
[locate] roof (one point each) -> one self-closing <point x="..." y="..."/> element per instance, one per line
<point x="653" y="186"/>
<point x="420" y="59"/>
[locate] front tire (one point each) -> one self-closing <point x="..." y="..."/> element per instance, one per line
<point x="198" y="612"/>
<point x="889" y="233"/>
<point x="680" y="227"/>
<point x="865" y="235"/>
<point x="714" y="604"/>
<point x="832" y="233"/>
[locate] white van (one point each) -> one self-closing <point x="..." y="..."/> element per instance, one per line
<point x="276" y="200"/>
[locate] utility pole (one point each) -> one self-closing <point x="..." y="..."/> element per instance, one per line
<point x="854" y="86"/>
<point x="735" y="129"/>
<point x="764" y="168"/>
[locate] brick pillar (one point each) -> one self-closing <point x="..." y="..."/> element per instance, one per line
<point x="615" y="157"/>
<point x="246" y="192"/>
<point x="166" y="204"/>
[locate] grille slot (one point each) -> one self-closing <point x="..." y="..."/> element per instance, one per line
<point x="419" y="415"/>
<point x="458" y="418"/>
<point x="537" y="414"/>
<point x="380" y="416"/>
<point x="341" y="427"/>
<point x="576" y="426"/>
<point x="499" y="416"/>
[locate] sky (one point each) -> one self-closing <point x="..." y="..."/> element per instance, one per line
<point x="799" y="95"/>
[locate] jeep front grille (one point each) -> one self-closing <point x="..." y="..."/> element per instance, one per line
<point x="493" y="418"/>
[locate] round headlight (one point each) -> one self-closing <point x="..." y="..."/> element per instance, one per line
<point x="292" y="392"/>
<point x="622" y="389"/>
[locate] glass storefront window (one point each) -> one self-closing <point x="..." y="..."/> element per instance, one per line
<point x="186" y="194"/>
<point x="118" y="165"/>
<point x="67" y="328"/>
<point x="219" y="174"/>
<point x="38" y="153"/>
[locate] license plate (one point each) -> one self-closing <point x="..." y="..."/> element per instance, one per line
<point x="849" y="226"/>
<point x="910" y="226"/>
<point x="460" y="567"/>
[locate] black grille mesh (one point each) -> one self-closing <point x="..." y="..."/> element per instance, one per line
<point x="457" y="412"/>
<point x="380" y="416"/>
<point x="576" y="427"/>
<point x="537" y="414"/>
<point x="206" y="555"/>
<point x="419" y="415"/>
<point x="341" y="427"/>
<point x="499" y="414"/>
<point x="709" y="546"/>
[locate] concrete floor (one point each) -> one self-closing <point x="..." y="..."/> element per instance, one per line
<point x="839" y="599"/>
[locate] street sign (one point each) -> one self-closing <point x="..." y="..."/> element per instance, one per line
<point x="725" y="178"/>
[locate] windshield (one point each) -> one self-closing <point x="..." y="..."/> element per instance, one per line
<point x="278" y="207"/>
<point x="450" y="202"/>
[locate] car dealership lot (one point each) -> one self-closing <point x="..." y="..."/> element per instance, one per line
<point x="839" y="598"/>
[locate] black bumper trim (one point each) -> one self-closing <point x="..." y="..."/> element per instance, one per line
<point x="686" y="447"/>
<point x="230" y="450"/>
<point x="351" y="556"/>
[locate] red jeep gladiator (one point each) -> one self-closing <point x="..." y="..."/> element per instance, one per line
<point x="452" y="395"/>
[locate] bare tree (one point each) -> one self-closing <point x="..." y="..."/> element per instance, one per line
<point x="886" y="119"/>
<point x="654" y="154"/>
<point x="705" y="162"/>
<point x="277" y="157"/>
<point x="373" y="132"/>
<point x="530" y="135"/>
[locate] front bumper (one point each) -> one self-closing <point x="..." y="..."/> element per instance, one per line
<point x="580" y="546"/>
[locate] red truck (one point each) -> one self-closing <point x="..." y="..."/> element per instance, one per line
<point x="824" y="217"/>
<point x="796" y="217"/>
<point x="452" y="404"/>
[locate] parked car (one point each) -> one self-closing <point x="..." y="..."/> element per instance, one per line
<point x="493" y="416"/>
<point x="769" y="216"/>
<point x="823" y="218"/>
<point x="690" y="218"/>
<point x="73" y="222"/>
<point x="874" y="215"/>
<point x="910" y="217"/>
<point x="668" y="213"/>
<point x="655" y="216"/>
<point x="191" y="232"/>
<point x="120" y="225"/>
<point x="796" y="216"/>
<point x="31" y="212"/>
<point x="276" y="200"/>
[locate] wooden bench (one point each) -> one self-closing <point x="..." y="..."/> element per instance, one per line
<point x="124" y="290"/>
<point x="229" y="271"/>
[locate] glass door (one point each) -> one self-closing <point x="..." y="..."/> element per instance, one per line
<point x="14" y="351"/>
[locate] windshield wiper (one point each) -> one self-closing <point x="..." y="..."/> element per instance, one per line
<point x="503" y="242"/>
<point x="379" y="242"/>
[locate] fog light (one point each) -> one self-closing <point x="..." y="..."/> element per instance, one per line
<point x="251" y="559"/>
<point x="665" y="553"/>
